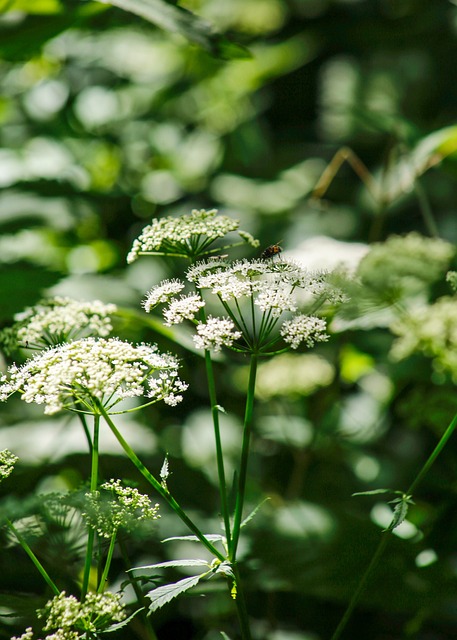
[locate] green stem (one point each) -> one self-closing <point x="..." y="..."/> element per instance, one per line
<point x="241" y="606"/>
<point x="109" y="557"/>
<point x="362" y="584"/>
<point x="93" y="487"/>
<point x="386" y="536"/>
<point x="218" y="442"/>
<point x="244" y="458"/>
<point x="159" y="488"/>
<point x="33" y="558"/>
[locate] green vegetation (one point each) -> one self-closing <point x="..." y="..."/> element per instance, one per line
<point x="261" y="445"/>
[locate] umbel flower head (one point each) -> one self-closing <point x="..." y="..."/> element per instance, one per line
<point x="117" y="506"/>
<point x="57" y="320"/>
<point x="87" y="373"/>
<point x="70" y="619"/>
<point x="259" y="304"/>
<point x="187" y="236"/>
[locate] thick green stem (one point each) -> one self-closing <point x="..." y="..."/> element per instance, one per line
<point x="33" y="558"/>
<point x="218" y="442"/>
<point x="387" y="534"/>
<point x="237" y="520"/>
<point x="93" y="487"/>
<point x="159" y="488"/>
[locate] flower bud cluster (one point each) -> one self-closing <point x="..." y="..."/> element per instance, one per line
<point x="124" y="507"/>
<point x="7" y="462"/>
<point x="188" y="235"/>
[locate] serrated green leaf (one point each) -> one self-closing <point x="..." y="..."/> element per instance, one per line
<point x="400" y="513"/>
<point x="119" y="625"/>
<point x="373" y="492"/>
<point x="178" y="20"/>
<point x="190" y="562"/>
<point x="162" y="595"/>
<point x="254" y="512"/>
<point x="212" y="537"/>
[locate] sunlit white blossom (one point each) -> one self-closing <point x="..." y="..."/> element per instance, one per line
<point x="58" y="320"/>
<point x="188" y="235"/>
<point x="86" y="372"/>
<point x="302" y="328"/>
<point x="216" y="333"/>
<point x="162" y="293"/>
<point x="183" y="308"/>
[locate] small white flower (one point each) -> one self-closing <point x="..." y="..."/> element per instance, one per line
<point x="162" y="293"/>
<point x="302" y="328"/>
<point x="183" y="308"/>
<point x="216" y="333"/>
<point x="85" y="372"/>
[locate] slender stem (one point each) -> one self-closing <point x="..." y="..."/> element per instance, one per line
<point x="93" y="487"/>
<point x="241" y="606"/>
<point x="33" y="558"/>
<point x="159" y="488"/>
<point x="433" y="456"/>
<point x="218" y="442"/>
<point x="109" y="557"/>
<point x="362" y="584"/>
<point x="386" y="535"/>
<point x="244" y="458"/>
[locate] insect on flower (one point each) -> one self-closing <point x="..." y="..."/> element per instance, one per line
<point x="271" y="251"/>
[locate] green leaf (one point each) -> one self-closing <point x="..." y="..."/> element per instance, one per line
<point x="162" y="595"/>
<point x="212" y="537"/>
<point x="373" y="492"/>
<point x="254" y="512"/>
<point x="119" y="625"/>
<point x="190" y="562"/>
<point x="178" y="20"/>
<point x="400" y="511"/>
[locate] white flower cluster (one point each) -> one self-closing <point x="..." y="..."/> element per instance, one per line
<point x="260" y="301"/>
<point x="125" y="507"/>
<point x="7" y="462"/>
<point x="216" y="333"/>
<point x="64" y="614"/>
<point x="58" y="320"/>
<point x="307" y="329"/>
<point x="91" y="371"/>
<point x="186" y="236"/>
<point x="162" y="293"/>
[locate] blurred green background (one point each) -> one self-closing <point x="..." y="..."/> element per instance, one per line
<point x="108" y="121"/>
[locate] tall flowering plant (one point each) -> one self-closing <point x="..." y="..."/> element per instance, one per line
<point x="257" y="307"/>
